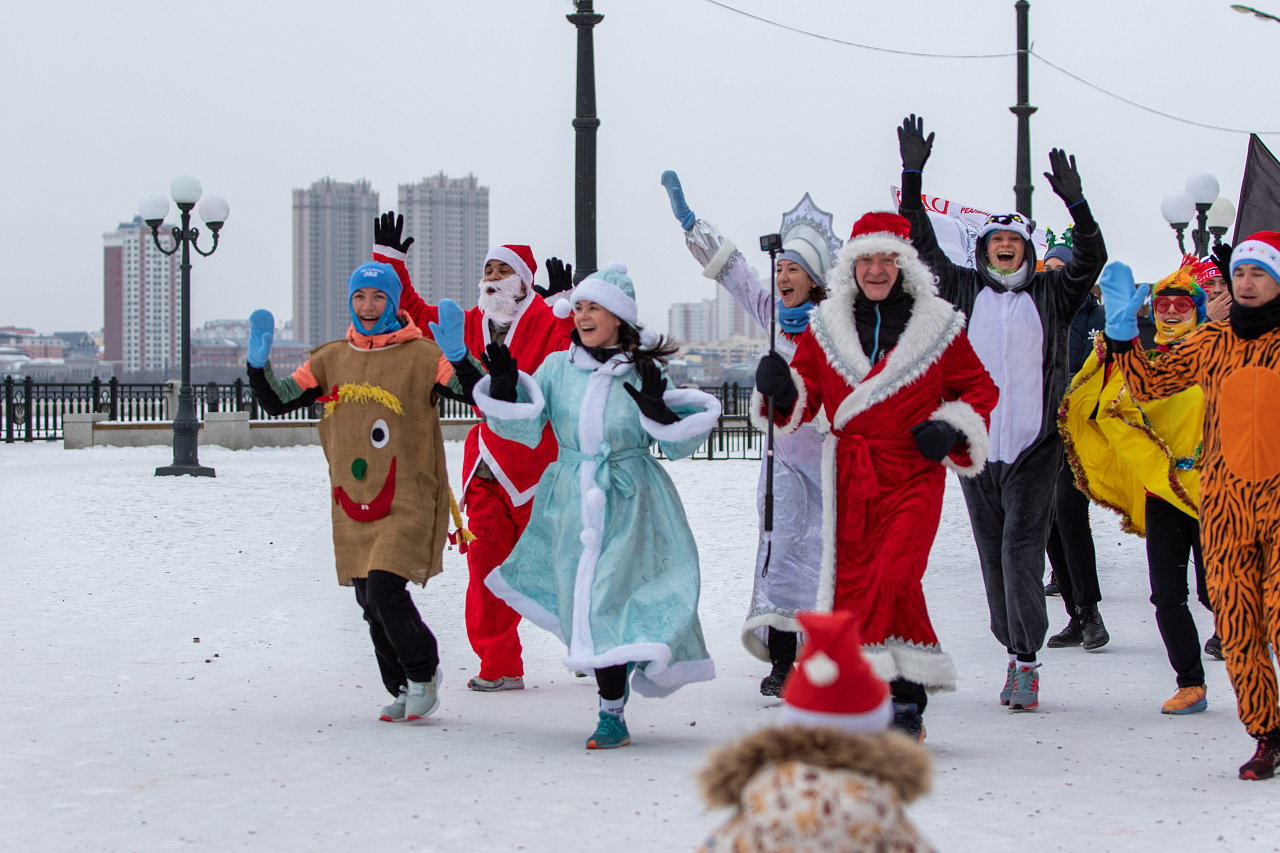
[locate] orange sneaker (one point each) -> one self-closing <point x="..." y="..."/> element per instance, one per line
<point x="1188" y="700"/>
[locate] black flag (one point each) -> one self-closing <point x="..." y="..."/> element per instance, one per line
<point x="1259" y="207"/>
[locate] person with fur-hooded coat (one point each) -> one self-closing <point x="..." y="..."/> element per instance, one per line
<point x="907" y="398"/>
<point x="830" y="777"/>
<point x="1020" y="326"/>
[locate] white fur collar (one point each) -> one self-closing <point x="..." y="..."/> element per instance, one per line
<point x="617" y="364"/>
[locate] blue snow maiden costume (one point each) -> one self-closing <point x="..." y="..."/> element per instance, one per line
<point x="608" y="563"/>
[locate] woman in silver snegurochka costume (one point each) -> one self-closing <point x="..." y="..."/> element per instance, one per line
<point x="789" y="582"/>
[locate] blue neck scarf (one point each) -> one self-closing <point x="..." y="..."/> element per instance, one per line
<point x="795" y="320"/>
<point x="386" y="324"/>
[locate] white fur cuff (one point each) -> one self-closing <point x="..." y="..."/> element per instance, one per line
<point x="971" y="427"/>
<point x="690" y="426"/>
<point x="719" y="260"/>
<point x="501" y="409"/>
<point x="389" y="253"/>
<point x="760" y="408"/>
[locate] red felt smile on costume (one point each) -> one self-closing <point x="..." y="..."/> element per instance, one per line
<point x="375" y="509"/>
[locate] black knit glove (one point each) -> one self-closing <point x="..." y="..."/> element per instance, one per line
<point x="913" y="145"/>
<point x="503" y="372"/>
<point x="1222" y="257"/>
<point x="773" y="379"/>
<point x="1064" y="179"/>
<point x="935" y="439"/>
<point x="386" y="232"/>
<point x="559" y="278"/>
<point x="649" y="397"/>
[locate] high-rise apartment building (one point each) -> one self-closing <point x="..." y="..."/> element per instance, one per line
<point x="141" y="299"/>
<point x="716" y="319"/>
<point x="449" y="221"/>
<point x="332" y="235"/>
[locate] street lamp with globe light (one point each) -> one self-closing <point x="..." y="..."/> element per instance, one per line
<point x="153" y="207"/>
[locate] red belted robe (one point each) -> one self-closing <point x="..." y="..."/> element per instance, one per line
<point x="882" y="499"/>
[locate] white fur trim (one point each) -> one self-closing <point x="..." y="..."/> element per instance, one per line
<point x="689" y="426"/>
<point x="562" y="308"/>
<point x="820" y="669"/>
<point x="389" y="253"/>
<point x="504" y="410"/>
<point x="523" y="604"/>
<point x="928" y="666"/>
<point x="518" y="498"/>
<point x="753" y="644"/>
<point x="917" y="278"/>
<point x="601" y="292"/>
<point x="970" y="425"/>
<point x="511" y="259"/>
<point x="649" y="338"/>
<point x="760" y="408"/>
<point x="827" y="573"/>
<point x="870" y="722"/>
<point x="718" y="261"/>
<point x="659" y="678"/>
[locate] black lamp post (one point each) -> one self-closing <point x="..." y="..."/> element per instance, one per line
<point x="213" y="210"/>
<point x="1022" y="180"/>
<point x="585" y="124"/>
<point x="1200" y="200"/>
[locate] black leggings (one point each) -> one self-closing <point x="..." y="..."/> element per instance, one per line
<point x="612" y="681"/>
<point x="405" y="646"/>
<point x="1070" y="546"/>
<point x="1173" y="536"/>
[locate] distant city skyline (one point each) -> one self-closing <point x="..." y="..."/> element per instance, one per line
<point x="332" y="235"/>
<point x="140" y="298"/>
<point x="449" y="221"/>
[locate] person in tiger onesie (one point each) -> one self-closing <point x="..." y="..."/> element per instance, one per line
<point x="1237" y="365"/>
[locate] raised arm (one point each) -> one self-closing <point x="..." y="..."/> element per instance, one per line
<point x="275" y="396"/>
<point x="390" y="248"/>
<point x="1147" y="380"/>
<point x="1088" y="253"/>
<point x="720" y="259"/>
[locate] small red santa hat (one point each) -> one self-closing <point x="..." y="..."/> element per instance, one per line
<point x="1262" y="250"/>
<point x="832" y="684"/>
<point x="519" y="258"/>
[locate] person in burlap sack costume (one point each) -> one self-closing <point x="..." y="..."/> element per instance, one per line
<point x="381" y="434"/>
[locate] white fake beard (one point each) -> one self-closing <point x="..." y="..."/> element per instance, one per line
<point x="500" y="300"/>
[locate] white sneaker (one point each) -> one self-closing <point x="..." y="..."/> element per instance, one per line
<point x="506" y="682"/>
<point x="394" y="713"/>
<point x="423" y="697"/>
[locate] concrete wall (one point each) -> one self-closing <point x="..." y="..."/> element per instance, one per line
<point x="232" y="430"/>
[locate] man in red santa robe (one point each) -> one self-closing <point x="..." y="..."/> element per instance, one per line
<point x="499" y="477"/>
<point x="886" y="360"/>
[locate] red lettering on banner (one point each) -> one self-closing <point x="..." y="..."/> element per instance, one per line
<point x="945" y="204"/>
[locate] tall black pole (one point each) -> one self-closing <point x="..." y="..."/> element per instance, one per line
<point x="585" y="124"/>
<point x="1022" y="185"/>
<point x="186" y="428"/>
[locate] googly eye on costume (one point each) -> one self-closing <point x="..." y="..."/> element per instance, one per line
<point x="379" y="435"/>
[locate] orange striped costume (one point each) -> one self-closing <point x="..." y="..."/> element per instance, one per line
<point x="1240" y="494"/>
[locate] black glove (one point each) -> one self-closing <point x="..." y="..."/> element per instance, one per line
<point x="559" y="278"/>
<point x="1064" y="179"/>
<point x="386" y="232"/>
<point x="935" y="439"/>
<point x="649" y="397"/>
<point x="773" y="379"/>
<point x="503" y="373"/>
<point x="1222" y="257"/>
<point x="913" y="145"/>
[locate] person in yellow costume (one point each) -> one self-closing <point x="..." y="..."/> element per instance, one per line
<point x="1142" y="461"/>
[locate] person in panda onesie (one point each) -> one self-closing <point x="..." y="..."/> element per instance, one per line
<point x="906" y="398"/>
<point x="1020" y="326"/>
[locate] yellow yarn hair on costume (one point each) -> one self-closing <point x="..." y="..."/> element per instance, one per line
<point x="463" y="533"/>
<point x="362" y="392"/>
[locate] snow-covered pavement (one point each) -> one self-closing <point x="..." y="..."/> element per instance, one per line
<point x="122" y="734"/>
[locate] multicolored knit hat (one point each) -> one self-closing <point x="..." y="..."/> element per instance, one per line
<point x="1262" y="250"/>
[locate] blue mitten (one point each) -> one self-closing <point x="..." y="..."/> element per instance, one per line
<point x="679" y="207"/>
<point x="448" y="330"/>
<point x="1121" y="301"/>
<point x="262" y="331"/>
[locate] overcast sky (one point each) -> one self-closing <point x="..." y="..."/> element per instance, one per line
<point x="103" y="102"/>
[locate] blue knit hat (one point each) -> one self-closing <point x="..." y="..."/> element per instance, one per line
<point x="380" y="277"/>
<point x="1061" y="251"/>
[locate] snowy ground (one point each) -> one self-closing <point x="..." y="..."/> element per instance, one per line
<point x="121" y="734"/>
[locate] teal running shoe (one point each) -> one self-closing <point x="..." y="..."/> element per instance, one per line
<point x="611" y="733"/>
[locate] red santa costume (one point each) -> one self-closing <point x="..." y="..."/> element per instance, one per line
<point x="882" y="499"/>
<point x="500" y="476"/>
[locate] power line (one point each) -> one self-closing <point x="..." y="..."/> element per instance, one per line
<point x="1057" y="68"/>
<point x="855" y="44"/>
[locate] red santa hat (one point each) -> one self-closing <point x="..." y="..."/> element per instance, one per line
<point x="1262" y="250"/>
<point x="832" y="684"/>
<point x="519" y="258"/>
<point x="889" y="233"/>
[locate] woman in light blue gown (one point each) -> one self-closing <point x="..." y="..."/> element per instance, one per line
<point x="608" y="563"/>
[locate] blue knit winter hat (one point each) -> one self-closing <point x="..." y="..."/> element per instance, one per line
<point x="1061" y="251"/>
<point x="380" y="277"/>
